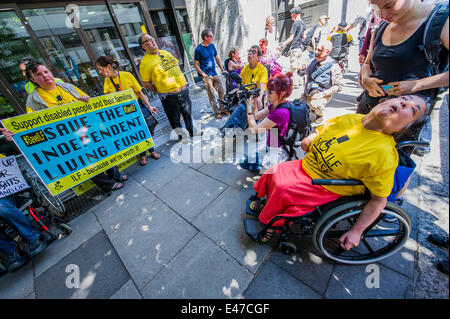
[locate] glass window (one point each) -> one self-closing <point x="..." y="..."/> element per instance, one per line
<point x="165" y="34"/>
<point x="15" y="44"/>
<point x="6" y="109"/>
<point x="132" y="24"/>
<point x="103" y="35"/>
<point x="186" y="33"/>
<point x="64" y="48"/>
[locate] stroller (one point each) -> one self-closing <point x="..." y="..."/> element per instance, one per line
<point x="340" y="50"/>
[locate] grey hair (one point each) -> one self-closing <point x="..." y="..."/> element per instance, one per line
<point x="205" y="32"/>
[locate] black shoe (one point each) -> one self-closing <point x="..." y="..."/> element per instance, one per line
<point x="438" y="240"/>
<point x="15" y="261"/>
<point x="37" y="247"/>
<point x="442" y="266"/>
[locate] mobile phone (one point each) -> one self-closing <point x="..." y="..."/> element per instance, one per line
<point x="386" y="87"/>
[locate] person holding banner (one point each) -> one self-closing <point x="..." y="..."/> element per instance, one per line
<point x="116" y="80"/>
<point x="47" y="94"/>
<point x="161" y="73"/>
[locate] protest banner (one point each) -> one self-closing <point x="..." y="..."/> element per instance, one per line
<point x="11" y="178"/>
<point x="68" y="144"/>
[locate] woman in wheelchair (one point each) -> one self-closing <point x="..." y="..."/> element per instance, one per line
<point x="351" y="146"/>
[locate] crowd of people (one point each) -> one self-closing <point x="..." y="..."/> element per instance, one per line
<point x="398" y="96"/>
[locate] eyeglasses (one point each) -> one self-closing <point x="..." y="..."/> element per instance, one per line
<point x="149" y="39"/>
<point x="209" y="35"/>
<point x="252" y="51"/>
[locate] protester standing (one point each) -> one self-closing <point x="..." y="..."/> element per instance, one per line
<point x="205" y="60"/>
<point x="161" y="73"/>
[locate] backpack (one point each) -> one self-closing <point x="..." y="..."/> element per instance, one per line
<point x="309" y="35"/>
<point x="434" y="51"/>
<point x="299" y="127"/>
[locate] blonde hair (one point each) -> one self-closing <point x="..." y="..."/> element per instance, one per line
<point x="232" y="51"/>
<point x="267" y="20"/>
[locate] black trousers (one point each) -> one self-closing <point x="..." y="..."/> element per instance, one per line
<point x="107" y="179"/>
<point x="177" y="105"/>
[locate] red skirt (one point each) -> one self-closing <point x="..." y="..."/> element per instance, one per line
<point x="289" y="192"/>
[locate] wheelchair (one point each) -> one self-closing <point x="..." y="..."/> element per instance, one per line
<point x="43" y="210"/>
<point x="327" y="223"/>
<point x="340" y="50"/>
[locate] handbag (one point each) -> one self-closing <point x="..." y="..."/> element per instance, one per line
<point x="149" y="118"/>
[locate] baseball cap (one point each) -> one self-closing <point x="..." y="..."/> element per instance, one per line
<point x="296" y="10"/>
<point x="324" y="17"/>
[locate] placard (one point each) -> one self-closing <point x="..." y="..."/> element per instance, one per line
<point x="68" y="144"/>
<point x="11" y="178"/>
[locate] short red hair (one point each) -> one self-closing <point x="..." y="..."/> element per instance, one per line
<point x="282" y="82"/>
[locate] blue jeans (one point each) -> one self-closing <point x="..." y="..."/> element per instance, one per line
<point x="11" y="215"/>
<point x="237" y="119"/>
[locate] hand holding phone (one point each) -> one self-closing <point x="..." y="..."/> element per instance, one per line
<point x="386" y="87"/>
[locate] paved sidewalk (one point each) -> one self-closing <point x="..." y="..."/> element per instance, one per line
<point x="175" y="231"/>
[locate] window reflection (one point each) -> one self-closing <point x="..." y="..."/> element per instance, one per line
<point x="64" y="48"/>
<point x="15" y="44"/>
<point x="166" y="37"/>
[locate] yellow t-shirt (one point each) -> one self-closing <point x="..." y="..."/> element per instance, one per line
<point x="162" y="71"/>
<point x="257" y="75"/>
<point x="344" y="149"/>
<point x="124" y="81"/>
<point x="349" y="36"/>
<point x="55" y="97"/>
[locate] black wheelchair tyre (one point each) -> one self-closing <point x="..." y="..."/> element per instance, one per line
<point x="52" y="203"/>
<point x="379" y="241"/>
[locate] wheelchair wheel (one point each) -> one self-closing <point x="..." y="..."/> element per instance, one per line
<point x="52" y="203"/>
<point x="380" y="240"/>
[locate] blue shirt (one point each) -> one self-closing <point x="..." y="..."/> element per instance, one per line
<point x="205" y="56"/>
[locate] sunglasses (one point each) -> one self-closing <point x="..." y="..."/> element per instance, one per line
<point x="252" y="51"/>
<point x="150" y="39"/>
<point x="209" y="36"/>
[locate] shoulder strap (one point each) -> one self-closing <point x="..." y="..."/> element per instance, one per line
<point x="431" y="42"/>
<point x="321" y="70"/>
<point x="379" y="31"/>
<point x="115" y="85"/>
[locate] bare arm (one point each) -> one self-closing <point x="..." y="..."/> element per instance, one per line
<point x="197" y="67"/>
<point x="144" y="99"/>
<point x="263" y="126"/>
<point x="149" y="86"/>
<point x="368" y="215"/>
<point x="219" y="63"/>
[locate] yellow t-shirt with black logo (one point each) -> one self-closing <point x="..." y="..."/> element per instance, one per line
<point x="124" y="81"/>
<point x="162" y="71"/>
<point x="55" y="97"/>
<point x="344" y="149"/>
<point x="257" y="75"/>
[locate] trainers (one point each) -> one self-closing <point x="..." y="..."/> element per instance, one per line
<point x="438" y="240"/>
<point x="37" y="247"/>
<point x="15" y="261"/>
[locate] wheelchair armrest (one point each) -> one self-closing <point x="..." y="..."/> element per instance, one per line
<point x="419" y="144"/>
<point x="337" y="182"/>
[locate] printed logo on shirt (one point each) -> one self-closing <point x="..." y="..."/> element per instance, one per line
<point x="325" y="160"/>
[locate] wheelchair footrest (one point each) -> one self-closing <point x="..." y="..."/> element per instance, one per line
<point x="253" y="227"/>
<point x="248" y="211"/>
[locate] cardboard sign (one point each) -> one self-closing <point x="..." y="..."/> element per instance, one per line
<point x="68" y="144"/>
<point x="11" y="178"/>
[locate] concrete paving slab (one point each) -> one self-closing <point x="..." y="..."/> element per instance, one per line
<point x="222" y="221"/>
<point x="157" y="175"/>
<point x="148" y="242"/>
<point x="128" y="291"/>
<point x="18" y="284"/>
<point x="275" y="283"/>
<point x="307" y="265"/>
<point x="83" y="227"/>
<point x="92" y="271"/>
<point x="373" y="281"/>
<point x="190" y="201"/>
<point x="230" y="174"/>
<point x="212" y="273"/>
<point x="124" y="204"/>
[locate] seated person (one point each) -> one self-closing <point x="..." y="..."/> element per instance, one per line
<point x="274" y="116"/>
<point x="268" y="59"/>
<point x="49" y="93"/>
<point x="323" y="79"/>
<point x="359" y="147"/>
<point x="253" y="72"/>
<point x="233" y="64"/>
<point x="11" y="215"/>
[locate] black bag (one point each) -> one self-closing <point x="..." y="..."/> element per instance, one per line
<point x="286" y="51"/>
<point x="299" y="126"/>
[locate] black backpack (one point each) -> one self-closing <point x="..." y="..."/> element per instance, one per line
<point x="299" y="126"/>
<point x="309" y="35"/>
